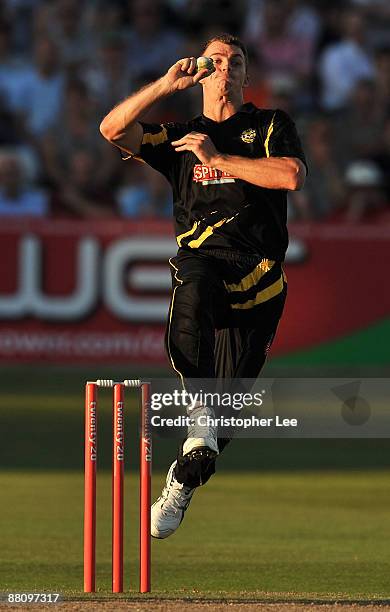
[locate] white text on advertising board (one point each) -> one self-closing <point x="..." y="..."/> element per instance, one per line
<point x="106" y="276"/>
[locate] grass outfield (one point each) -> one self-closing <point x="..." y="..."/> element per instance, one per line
<point x="284" y="520"/>
<point x="302" y="535"/>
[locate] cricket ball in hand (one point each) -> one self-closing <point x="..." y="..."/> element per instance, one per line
<point x="205" y="62"/>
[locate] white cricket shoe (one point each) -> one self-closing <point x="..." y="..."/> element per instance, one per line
<point x="202" y="434"/>
<point x="168" y="511"/>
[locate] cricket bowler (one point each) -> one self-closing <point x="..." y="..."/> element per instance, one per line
<point x="230" y="169"/>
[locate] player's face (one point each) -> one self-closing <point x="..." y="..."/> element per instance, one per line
<point x="230" y="69"/>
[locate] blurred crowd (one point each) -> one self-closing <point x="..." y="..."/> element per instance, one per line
<point x="65" y="63"/>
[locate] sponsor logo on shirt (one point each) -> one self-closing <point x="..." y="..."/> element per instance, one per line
<point x="211" y="176"/>
<point x="248" y="136"/>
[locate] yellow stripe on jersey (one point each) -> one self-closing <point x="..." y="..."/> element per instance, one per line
<point x="251" y="279"/>
<point x="126" y="155"/>
<point x="191" y="231"/>
<point x="155" y="139"/>
<point x="269" y="132"/>
<point x="194" y="244"/>
<point x="262" y="296"/>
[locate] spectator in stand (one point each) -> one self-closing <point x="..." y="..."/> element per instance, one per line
<point x="105" y="16"/>
<point x="151" y="45"/>
<point x="215" y="17"/>
<point x="284" y="43"/>
<point x="382" y="63"/>
<point x="108" y="77"/>
<point x="331" y="15"/>
<point x="358" y="129"/>
<point x="77" y="127"/>
<point x="382" y="157"/>
<point x="82" y="196"/>
<point x="258" y="89"/>
<point x="17" y="197"/>
<point x="14" y="76"/>
<point x="365" y="196"/>
<point x="43" y="91"/>
<point x="21" y="14"/>
<point x="282" y="93"/>
<point x="302" y="18"/>
<point x="9" y="126"/>
<point x="11" y="80"/>
<point x="343" y="64"/>
<point x="324" y="187"/>
<point x="280" y="51"/>
<point x="65" y="22"/>
<point x="144" y="193"/>
<point x="377" y="15"/>
<point x="13" y="71"/>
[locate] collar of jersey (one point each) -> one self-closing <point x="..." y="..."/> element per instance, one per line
<point x="247" y="108"/>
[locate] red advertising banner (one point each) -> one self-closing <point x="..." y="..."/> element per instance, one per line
<point x="98" y="291"/>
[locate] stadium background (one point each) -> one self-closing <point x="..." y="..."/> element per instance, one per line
<point x="64" y="64"/>
<point x="85" y="239"/>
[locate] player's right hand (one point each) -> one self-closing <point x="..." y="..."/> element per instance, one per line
<point x="183" y="74"/>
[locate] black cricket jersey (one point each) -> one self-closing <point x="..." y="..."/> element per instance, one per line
<point x="216" y="210"/>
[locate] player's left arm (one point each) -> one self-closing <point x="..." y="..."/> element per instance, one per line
<point x="269" y="172"/>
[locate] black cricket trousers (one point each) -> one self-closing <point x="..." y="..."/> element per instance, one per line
<point x="223" y="316"/>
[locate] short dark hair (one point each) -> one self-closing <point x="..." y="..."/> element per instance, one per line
<point x="228" y="39"/>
